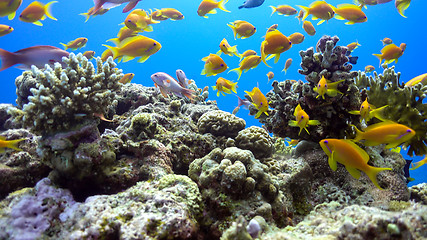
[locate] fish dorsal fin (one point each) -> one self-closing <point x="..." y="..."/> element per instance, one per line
<point x="377" y="125"/>
<point x="347" y="5"/>
<point x="361" y="152"/>
<point x="130" y="39"/>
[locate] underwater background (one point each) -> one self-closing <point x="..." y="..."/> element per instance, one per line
<point x="186" y="42"/>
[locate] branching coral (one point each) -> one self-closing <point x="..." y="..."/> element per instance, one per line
<point x="59" y="99"/>
<point x="405" y="104"/>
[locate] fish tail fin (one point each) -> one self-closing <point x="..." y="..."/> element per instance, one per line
<point x="233" y="50"/>
<point x="233" y="87"/>
<point x="306" y="11"/>
<point x="372" y="173"/>
<point x="221" y="5"/>
<point x="359" y="134"/>
<point x="48" y="11"/>
<point x="274" y="9"/>
<point x="86" y="16"/>
<point x="379" y="113"/>
<point x="114" y="50"/>
<point x="418" y="164"/>
<point x="115" y="41"/>
<point x="14" y="144"/>
<point x="402" y="7"/>
<point x="379" y="56"/>
<point x="240" y="101"/>
<point x="219" y="52"/>
<point x="234" y="30"/>
<point x="190" y="94"/>
<point x="64" y="45"/>
<point x="238" y="71"/>
<point x="263" y="55"/>
<point x="11" y="16"/>
<point x="8" y="59"/>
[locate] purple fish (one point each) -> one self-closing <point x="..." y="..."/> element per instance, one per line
<point x="37" y="55"/>
<point x="168" y="85"/>
<point x="113" y="3"/>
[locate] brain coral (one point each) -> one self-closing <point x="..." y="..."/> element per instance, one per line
<point x="256" y="140"/>
<point x="59" y="99"/>
<point x="220" y="123"/>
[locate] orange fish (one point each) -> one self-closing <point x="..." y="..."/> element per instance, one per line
<point x="352" y="46"/>
<point x="208" y="7"/>
<point x="106" y="54"/>
<point x="8" y="8"/>
<point x="75" y="44"/>
<point x="324" y="86"/>
<point x="247" y="63"/>
<point x="242" y="29"/>
<point x="369" y="68"/>
<point x="418" y="79"/>
<point x="224" y="86"/>
<point x="213" y="65"/>
<point x="296" y="38"/>
<point x="275" y="43"/>
<point x="270" y="75"/>
<point x="9" y="144"/>
<point x="100" y="12"/>
<point x="319" y="10"/>
<point x="89" y="54"/>
<point x="168" y="13"/>
<point x="391" y="53"/>
<point x="284" y="10"/>
<point x="259" y="101"/>
<point x="138" y="46"/>
<point x="368" y="111"/>
<point x="37" y="11"/>
<point x="386" y="41"/>
<point x="309" y="28"/>
<point x="350" y="12"/>
<point x="227" y="49"/>
<point x="302" y="120"/>
<point x="4" y="30"/>
<point x="247" y="53"/>
<point x="127" y="78"/>
<point x="139" y="20"/>
<point x="287" y="65"/>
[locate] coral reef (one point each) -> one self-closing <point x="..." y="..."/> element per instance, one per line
<point x="220" y="123"/>
<point x="256" y="140"/>
<point x="419" y="193"/>
<point x="330" y="61"/>
<point x="55" y="100"/>
<point x="405" y="104"/>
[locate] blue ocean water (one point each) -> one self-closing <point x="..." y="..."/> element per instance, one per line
<point x="186" y="42"/>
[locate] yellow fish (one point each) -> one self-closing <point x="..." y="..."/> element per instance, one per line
<point x="309" y="28"/>
<point x="100" y="12"/>
<point x="9" y="144"/>
<point x="246" y="54"/>
<point x="302" y="120"/>
<point x="242" y="29"/>
<point x="296" y="38"/>
<point x="247" y="63"/>
<point x="4" y="30"/>
<point x="213" y="65"/>
<point x="170" y="13"/>
<point x="270" y="75"/>
<point x="319" y="10"/>
<point x="352" y="157"/>
<point x="107" y="53"/>
<point x="37" y="11"/>
<point x="126" y="78"/>
<point x="326" y="87"/>
<point x="139" y="20"/>
<point x="8" y="8"/>
<point x="75" y="44"/>
<point x="208" y="7"/>
<point x="368" y="111"/>
<point x="418" y="79"/>
<point x="352" y="46"/>
<point x="224" y="86"/>
<point x="284" y="10"/>
<point x="391" y="53"/>
<point x="227" y="49"/>
<point x="369" y="68"/>
<point x="138" y="46"/>
<point x="274" y="43"/>
<point x="401" y="6"/>
<point x="259" y="101"/>
<point x="123" y="33"/>
<point x="349" y="12"/>
<point x="419" y="163"/>
<point x="89" y="54"/>
<point x="386" y="41"/>
<point x="388" y="132"/>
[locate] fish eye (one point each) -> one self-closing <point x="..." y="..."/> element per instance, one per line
<point x="408" y="131"/>
<point x="302" y="117"/>
<point x="363" y="107"/>
<point x="254" y="28"/>
<point x="223" y="44"/>
<point x="326" y="141"/>
<point x="326" y="85"/>
<point x="222" y="65"/>
<point x="319" y="85"/>
<point x="154" y="44"/>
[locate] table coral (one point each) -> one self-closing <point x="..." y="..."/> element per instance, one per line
<point x="59" y="99"/>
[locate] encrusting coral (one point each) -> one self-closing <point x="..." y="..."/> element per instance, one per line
<point x="405" y="104"/>
<point x="60" y="99"/>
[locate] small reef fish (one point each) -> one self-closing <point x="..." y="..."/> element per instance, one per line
<point x="419" y="163"/>
<point x="270" y="75"/>
<point x="224" y="86"/>
<point x="213" y="65"/>
<point x="247" y="53"/>
<point x="352" y="46"/>
<point x="182" y="78"/>
<point x="8" y="8"/>
<point x="168" y="85"/>
<point x="139" y="20"/>
<point x="369" y="68"/>
<point x="113" y="3"/>
<point x="9" y="144"/>
<point x="106" y="54"/>
<point x="418" y="79"/>
<point x="123" y="33"/>
<point x="36" y="55"/>
<point x="401" y="6"/>
<point x="300" y="15"/>
<point x="37" y="11"/>
<point x="5" y="29"/>
<point x="302" y="120"/>
<point x="102" y="117"/>
<point x="368" y="111"/>
<point x="75" y="44"/>
<point x="350" y="12"/>
<point x="100" y="12"/>
<point x="225" y="48"/>
<point x="272" y="27"/>
<point x="351" y="156"/>
<point x="274" y="43"/>
<point x="324" y="86"/>
<point x="157" y="15"/>
<point x="208" y="7"/>
<point x="167" y="13"/>
<point x="391" y="53"/>
<point x="242" y="29"/>
<point x="291" y="142"/>
<point x="285" y="10"/>
<point x="251" y="4"/>
<point x="296" y="38"/>
<point x="259" y="101"/>
<point x="287" y="65"/>
<point x="247" y="63"/>
<point x="127" y="78"/>
<point x="386" y="41"/>
<point x="89" y="54"/>
<point x="319" y="10"/>
<point x="138" y="46"/>
<point x="363" y="3"/>
<point x="309" y="28"/>
<point x="388" y="132"/>
<point x="241" y="102"/>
